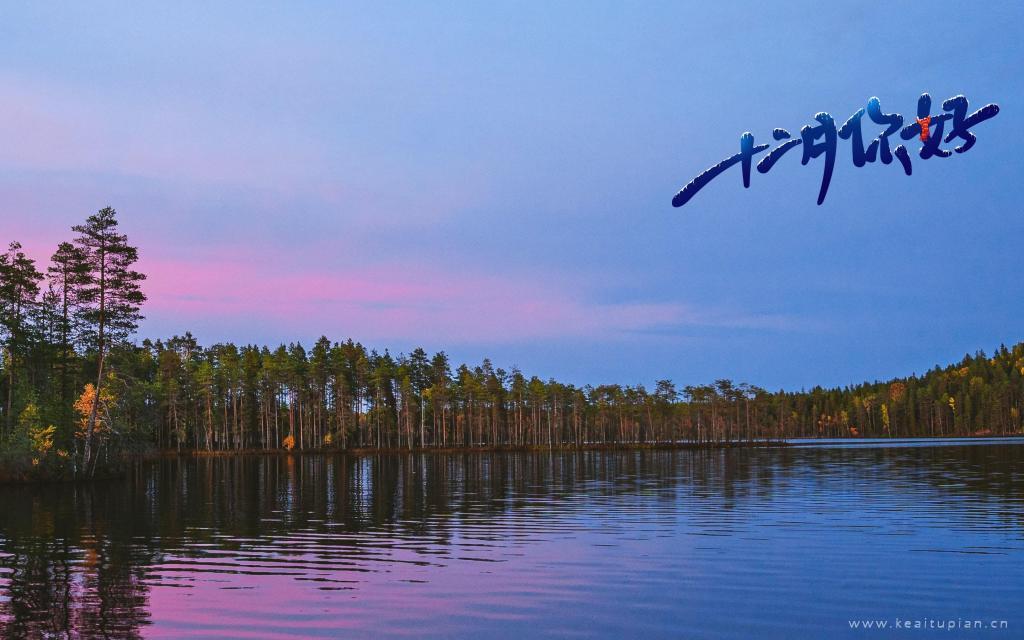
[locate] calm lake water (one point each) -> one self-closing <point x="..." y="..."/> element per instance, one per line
<point x="768" y="543"/>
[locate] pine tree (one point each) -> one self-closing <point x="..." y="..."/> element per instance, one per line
<point x="67" y="274"/>
<point x="419" y="372"/>
<point x="19" y="287"/>
<point x="110" y="296"/>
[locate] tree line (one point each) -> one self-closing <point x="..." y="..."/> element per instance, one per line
<point x="77" y="391"/>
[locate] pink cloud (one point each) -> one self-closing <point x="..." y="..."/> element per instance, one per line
<point x="410" y="302"/>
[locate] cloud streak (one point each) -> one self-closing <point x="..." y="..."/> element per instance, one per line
<point x="415" y="303"/>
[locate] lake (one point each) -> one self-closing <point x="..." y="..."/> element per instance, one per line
<point x="796" y="542"/>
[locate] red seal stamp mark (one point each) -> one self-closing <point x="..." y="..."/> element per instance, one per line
<point x="924" y="122"/>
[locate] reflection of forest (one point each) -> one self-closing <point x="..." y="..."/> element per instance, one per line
<point x="70" y="565"/>
<point x="74" y="560"/>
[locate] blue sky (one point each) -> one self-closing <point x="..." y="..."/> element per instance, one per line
<point x="495" y="179"/>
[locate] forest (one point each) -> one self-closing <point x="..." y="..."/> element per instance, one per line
<point x="78" y="393"/>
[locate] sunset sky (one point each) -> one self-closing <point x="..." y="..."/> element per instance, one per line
<point x="496" y="179"/>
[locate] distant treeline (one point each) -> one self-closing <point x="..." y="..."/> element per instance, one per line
<point x="75" y="390"/>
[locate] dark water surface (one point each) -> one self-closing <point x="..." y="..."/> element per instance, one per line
<point x="765" y="543"/>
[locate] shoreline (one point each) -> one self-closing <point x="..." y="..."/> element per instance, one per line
<point x="120" y="468"/>
<point x="567" y="448"/>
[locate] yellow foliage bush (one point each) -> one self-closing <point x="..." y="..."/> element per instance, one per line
<point x="42" y="439"/>
<point x="84" y="408"/>
<point x="289" y="442"/>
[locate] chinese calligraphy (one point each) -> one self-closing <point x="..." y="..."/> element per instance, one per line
<point x="821" y="139"/>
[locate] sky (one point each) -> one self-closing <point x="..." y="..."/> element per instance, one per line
<point x="495" y="179"/>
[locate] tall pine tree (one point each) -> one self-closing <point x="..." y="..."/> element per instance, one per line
<point x="67" y="274"/>
<point x="19" y="287"/>
<point x="109" y="298"/>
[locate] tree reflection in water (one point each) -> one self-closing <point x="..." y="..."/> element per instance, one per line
<point x="79" y="560"/>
